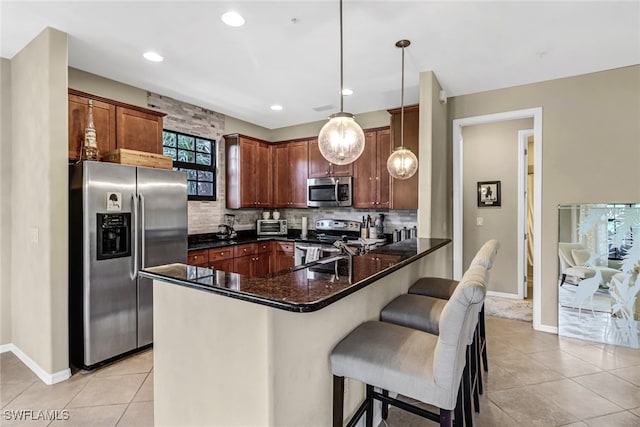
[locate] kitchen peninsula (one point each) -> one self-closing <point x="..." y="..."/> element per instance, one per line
<point x="237" y="350"/>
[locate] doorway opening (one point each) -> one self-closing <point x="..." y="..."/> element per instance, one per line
<point x="458" y="174"/>
<point x="525" y="210"/>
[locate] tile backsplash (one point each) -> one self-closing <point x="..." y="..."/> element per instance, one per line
<point x="392" y="219"/>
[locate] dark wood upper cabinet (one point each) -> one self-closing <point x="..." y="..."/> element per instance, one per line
<point x="404" y="193"/>
<point x="319" y="167"/>
<point x="138" y="130"/>
<point x="249" y="172"/>
<point x="118" y="125"/>
<point x="370" y="175"/>
<point x="290" y="172"/>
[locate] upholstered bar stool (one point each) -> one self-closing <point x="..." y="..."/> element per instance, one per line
<point x="439" y="287"/>
<point x="409" y="362"/>
<point x="424" y="313"/>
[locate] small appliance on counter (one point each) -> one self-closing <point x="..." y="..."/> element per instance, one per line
<point x="271" y="227"/>
<point x="226" y="230"/>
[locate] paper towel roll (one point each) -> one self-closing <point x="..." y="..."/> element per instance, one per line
<point x="304" y="226"/>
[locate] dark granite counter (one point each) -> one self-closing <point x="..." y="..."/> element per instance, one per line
<point x="305" y="288"/>
<point x="210" y="241"/>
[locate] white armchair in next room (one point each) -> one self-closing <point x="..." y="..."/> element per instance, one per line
<point x="577" y="261"/>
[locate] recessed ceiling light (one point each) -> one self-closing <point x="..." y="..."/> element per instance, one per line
<point x="347" y="92"/>
<point x="276" y="107"/>
<point x="233" y="19"/>
<point x="153" y="57"/>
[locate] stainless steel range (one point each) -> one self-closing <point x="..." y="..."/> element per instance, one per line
<point x="329" y="231"/>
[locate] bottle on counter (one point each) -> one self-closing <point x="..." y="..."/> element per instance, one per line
<point x="396" y="235"/>
<point x="379" y="226"/>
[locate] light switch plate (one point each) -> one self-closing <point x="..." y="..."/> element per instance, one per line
<point x="479" y="221"/>
<point x="35" y="235"/>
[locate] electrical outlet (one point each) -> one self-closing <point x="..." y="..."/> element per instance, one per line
<point x="479" y="221"/>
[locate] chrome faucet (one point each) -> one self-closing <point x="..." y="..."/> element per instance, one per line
<point x="344" y="247"/>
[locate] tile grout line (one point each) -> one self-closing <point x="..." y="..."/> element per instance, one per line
<point x="132" y="398"/>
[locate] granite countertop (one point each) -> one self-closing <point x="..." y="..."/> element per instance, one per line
<point x="305" y="288"/>
<point x="210" y="241"/>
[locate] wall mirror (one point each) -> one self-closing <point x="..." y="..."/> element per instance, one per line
<point x="598" y="283"/>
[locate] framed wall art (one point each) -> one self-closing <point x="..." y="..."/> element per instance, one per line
<point x="488" y="194"/>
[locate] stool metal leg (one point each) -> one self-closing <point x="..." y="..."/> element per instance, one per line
<point x="385" y="405"/>
<point x="338" y="401"/>
<point x="466" y="377"/>
<point x="445" y="418"/>
<point x="478" y="356"/>
<point x="474" y="375"/>
<point x="458" y="416"/>
<point x="483" y="340"/>
<point x="369" y="416"/>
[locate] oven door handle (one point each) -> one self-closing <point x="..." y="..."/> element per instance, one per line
<point x="336" y="192"/>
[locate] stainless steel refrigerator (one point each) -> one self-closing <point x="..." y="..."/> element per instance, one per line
<point x="121" y="219"/>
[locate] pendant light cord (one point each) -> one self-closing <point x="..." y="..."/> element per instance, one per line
<point x="341" y="72"/>
<point x="402" y="104"/>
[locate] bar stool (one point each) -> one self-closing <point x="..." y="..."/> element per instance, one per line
<point x="424" y="313"/>
<point x="413" y="363"/>
<point x="439" y="287"/>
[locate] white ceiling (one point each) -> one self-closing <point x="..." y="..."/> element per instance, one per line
<point x="471" y="46"/>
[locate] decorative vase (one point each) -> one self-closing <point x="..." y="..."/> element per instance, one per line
<point x="89" y="149"/>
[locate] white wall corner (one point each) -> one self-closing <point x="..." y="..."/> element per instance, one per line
<point x="44" y="376"/>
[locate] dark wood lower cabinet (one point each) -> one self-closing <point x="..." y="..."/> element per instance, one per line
<point x="261" y="265"/>
<point x="242" y="265"/>
<point x="283" y="261"/>
<point x="222" y="265"/>
<point x="251" y="259"/>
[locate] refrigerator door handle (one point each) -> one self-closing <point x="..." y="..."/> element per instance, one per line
<point x="142" y="227"/>
<point x="134" y="273"/>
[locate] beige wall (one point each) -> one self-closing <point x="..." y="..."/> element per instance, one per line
<point x="101" y="86"/>
<point x="5" y="201"/>
<point x="437" y="159"/>
<point x="434" y="168"/>
<point x="39" y="273"/>
<point x="233" y="125"/>
<point x="490" y="153"/>
<point x="590" y="134"/>
<point x="369" y="120"/>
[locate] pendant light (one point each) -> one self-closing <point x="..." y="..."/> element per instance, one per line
<point x="341" y="139"/>
<point x="402" y="163"/>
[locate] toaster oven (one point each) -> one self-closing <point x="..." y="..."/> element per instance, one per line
<point x="271" y="227"/>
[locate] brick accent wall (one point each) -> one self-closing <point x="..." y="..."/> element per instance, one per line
<point x="204" y="217"/>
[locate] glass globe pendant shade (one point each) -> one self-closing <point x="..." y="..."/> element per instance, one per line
<point x="341" y="139"/>
<point x="402" y="163"/>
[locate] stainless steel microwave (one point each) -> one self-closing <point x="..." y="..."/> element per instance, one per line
<point x="325" y="192"/>
<point x="271" y="227"/>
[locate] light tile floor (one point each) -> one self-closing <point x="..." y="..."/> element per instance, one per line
<point x="540" y="379"/>
<point x="120" y="394"/>
<point x="534" y="379"/>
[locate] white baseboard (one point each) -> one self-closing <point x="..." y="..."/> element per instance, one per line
<point x="44" y="376"/>
<point x="546" y="328"/>
<point x="502" y="295"/>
